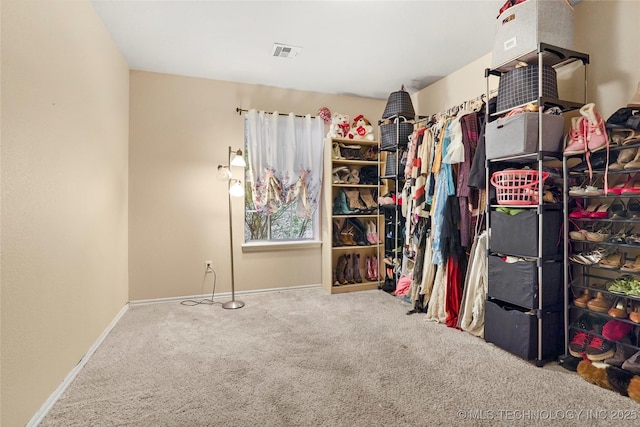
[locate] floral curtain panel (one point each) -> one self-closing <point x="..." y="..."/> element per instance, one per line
<point x="285" y="161"/>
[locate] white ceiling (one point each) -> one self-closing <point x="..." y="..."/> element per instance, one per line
<point x="360" y="48"/>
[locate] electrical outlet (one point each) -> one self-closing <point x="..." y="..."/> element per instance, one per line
<point x="208" y="265"/>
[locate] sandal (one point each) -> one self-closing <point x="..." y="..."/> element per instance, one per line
<point x="617" y="210"/>
<point x="614" y="260"/>
<point x="632" y="266"/>
<point x="599" y="236"/>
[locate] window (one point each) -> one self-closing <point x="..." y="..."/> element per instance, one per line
<point x="284" y="177"/>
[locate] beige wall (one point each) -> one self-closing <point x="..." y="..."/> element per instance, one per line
<point x="605" y="29"/>
<point x="181" y="128"/>
<point x="64" y="195"/>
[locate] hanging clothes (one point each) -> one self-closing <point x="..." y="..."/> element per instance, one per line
<point x="471" y="318"/>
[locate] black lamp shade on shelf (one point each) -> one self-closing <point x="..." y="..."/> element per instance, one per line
<point x="399" y="103"/>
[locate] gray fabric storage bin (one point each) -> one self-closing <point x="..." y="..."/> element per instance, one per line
<point x="516" y="331"/>
<point x="517" y="283"/>
<point x="518" y="134"/>
<point x="520" y="28"/>
<point x="518" y="234"/>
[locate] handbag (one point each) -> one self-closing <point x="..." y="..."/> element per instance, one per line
<point x="395" y="135"/>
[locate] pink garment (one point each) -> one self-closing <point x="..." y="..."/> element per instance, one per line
<point x="403" y="285"/>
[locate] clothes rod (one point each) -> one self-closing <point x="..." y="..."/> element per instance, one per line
<point x="240" y="111"/>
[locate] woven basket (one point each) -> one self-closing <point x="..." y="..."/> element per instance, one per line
<point x="395" y="135"/>
<point x="399" y="103"/>
<point x="520" y="86"/>
<point x="394" y="167"/>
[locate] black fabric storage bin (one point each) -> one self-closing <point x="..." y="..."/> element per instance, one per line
<point x="520" y="86"/>
<point x="518" y="234"/>
<point x="516" y="331"/>
<point x="517" y="283"/>
<point x="395" y="134"/>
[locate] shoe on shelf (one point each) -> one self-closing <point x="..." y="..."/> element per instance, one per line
<point x="574" y="141"/>
<point x="635" y="163"/>
<point x="618" y="310"/>
<point x="634" y="313"/>
<point x="579" y="343"/>
<point x="615" y="330"/>
<point x="617" y="210"/>
<point x="582" y="300"/>
<point x="599" y="348"/>
<point x="624" y="156"/>
<point x="632" y="266"/>
<point x="623" y="352"/>
<point x="614" y="260"/>
<point x="632" y="364"/>
<point x="599" y="303"/>
<point x="601" y="235"/>
<point x="595" y="133"/>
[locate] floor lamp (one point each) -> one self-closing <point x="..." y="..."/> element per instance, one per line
<point x="235" y="190"/>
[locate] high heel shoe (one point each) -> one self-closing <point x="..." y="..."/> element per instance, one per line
<point x="619" y="309"/>
<point x="601" y="211"/>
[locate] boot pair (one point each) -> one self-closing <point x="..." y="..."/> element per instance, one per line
<point x="344" y="175"/>
<point x="352" y="233"/>
<point x="347" y="270"/>
<point x="588" y="132"/>
<point x="371" y="265"/>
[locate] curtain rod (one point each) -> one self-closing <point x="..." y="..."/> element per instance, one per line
<point x="240" y="111"/>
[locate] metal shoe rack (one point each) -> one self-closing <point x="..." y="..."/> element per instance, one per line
<point x="592" y="274"/>
<point x="392" y="173"/>
<point x="525" y="303"/>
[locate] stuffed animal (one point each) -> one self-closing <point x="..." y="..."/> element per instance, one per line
<point x="339" y="127"/>
<point x="361" y="129"/>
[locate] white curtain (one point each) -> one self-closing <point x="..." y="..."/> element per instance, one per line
<point x="285" y="161"/>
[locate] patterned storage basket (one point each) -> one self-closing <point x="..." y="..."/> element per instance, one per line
<point x="394" y="167"/>
<point x="399" y="103"/>
<point x="395" y="134"/>
<point x="520" y="86"/>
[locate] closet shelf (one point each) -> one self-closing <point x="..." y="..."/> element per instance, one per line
<point x="529" y="158"/>
<point x="552" y="56"/>
<point x="355" y="162"/>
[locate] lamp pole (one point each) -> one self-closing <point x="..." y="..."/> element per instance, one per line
<point x="233" y="304"/>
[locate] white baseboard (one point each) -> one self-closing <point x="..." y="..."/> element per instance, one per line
<point x="222" y="296"/>
<point x="46" y="407"/>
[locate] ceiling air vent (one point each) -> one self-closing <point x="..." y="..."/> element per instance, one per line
<point x="285" y="51"/>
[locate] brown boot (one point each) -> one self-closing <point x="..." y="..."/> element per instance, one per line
<point x="356" y="268"/>
<point x="340" y="268"/>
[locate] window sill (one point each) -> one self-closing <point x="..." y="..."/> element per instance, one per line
<point x="280" y="246"/>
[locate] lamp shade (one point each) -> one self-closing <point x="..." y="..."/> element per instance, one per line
<point x="399" y="103"/>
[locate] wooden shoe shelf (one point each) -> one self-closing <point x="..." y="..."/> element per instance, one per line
<point x="335" y="251"/>
<point x="526" y="318"/>
<point x="624" y="243"/>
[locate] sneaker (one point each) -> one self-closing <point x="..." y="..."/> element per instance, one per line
<point x="595" y="134"/>
<point x="599" y="348"/>
<point x="623" y="352"/>
<point x="579" y="343"/>
<point x="632" y="364"/>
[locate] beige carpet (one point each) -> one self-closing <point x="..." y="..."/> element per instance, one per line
<point x="306" y="358"/>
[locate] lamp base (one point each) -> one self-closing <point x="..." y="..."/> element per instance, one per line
<point x="233" y="304"/>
